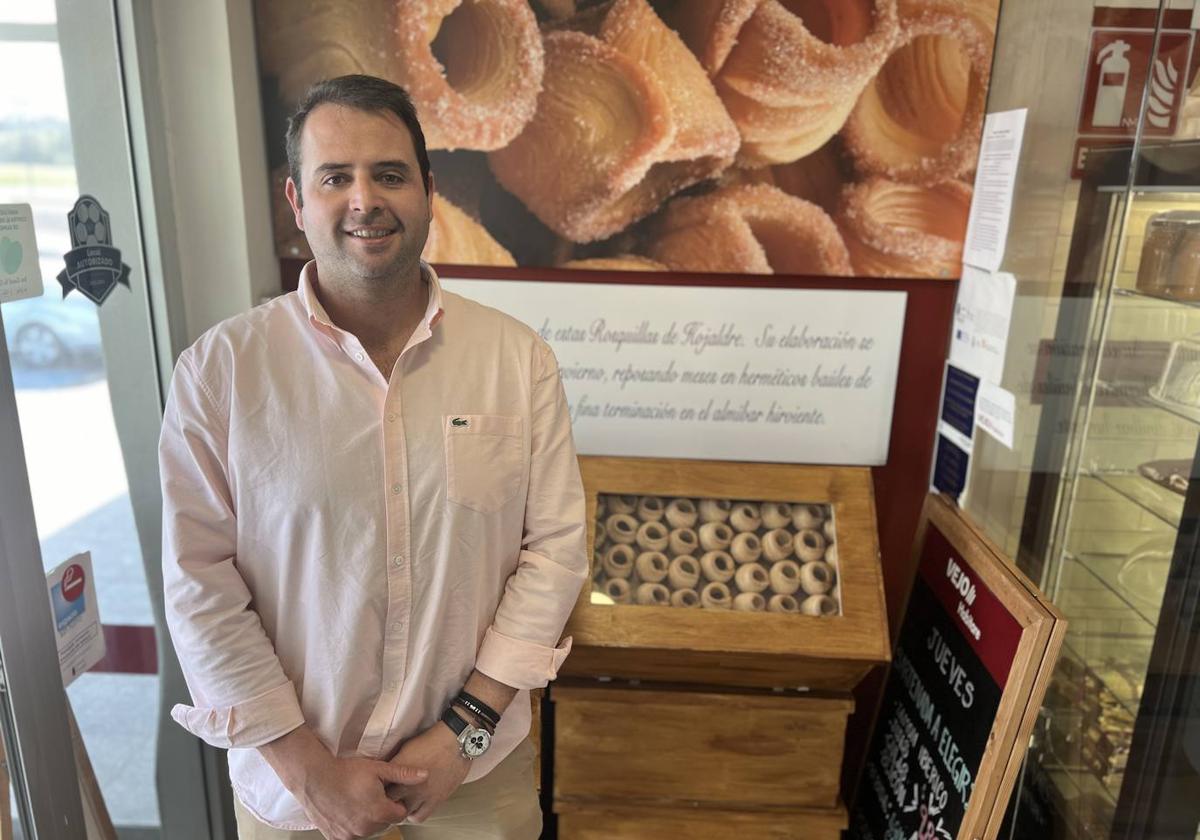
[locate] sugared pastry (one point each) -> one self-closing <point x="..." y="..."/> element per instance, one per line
<point x="790" y="82"/>
<point x="777" y="544"/>
<point x="619" y="560"/>
<point x="751" y="577"/>
<point x="716" y="596"/>
<point x="454" y="237"/>
<point x="627" y="119"/>
<point x="809" y="545"/>
<point x="619" y="590"/>
<point x="785" y="577"/>
<point x="939" y="72"/>
<point x="682" y="541"/>
<point x="710" y="27"/>
<point x="775" y="515"/>
<point x="749" y="229"/>
<point x="783" y="604"/>
<point x="684" y="573"/>
<point x="650" y="508"/>
<point x="715" y="536"/>
<point x="818" y="177"/>
<point x="682" y="513"/>
<point x="685" y="598"/>
<point x="827" y="529"/>
<point x="622" y="504"/>
<point x="653" y="536"/>
<point x="818" y="605"/>
<point x="651" y="566"/>
<point x="717" y="566"/>
<point x="746" y="548"/>
<point x="621" y="262"/>
<point x="474" y="69"/>
<point x="816" y="577"/>
<point x="901" y="230"/>
<point x="715" y="510"/>
<point x="601" y="534"/>
<point x="653" y="595"/>
<point x="807" y="516"/>
<point x="749" y="602"/>
<point x="745" y="517"/>
<point x="557" y="9"/>
<point x="621" y="528"/>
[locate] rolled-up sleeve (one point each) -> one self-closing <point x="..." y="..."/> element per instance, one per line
<point x="523" y="648"/>
<point x="242" y="696"/>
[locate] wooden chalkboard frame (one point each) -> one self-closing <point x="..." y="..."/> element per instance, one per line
<point x="1042" y="630"/>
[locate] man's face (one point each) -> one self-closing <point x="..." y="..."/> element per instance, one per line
<point x="365" y="211"/>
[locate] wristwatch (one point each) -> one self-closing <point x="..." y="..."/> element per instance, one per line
<point x="472" y="742"/>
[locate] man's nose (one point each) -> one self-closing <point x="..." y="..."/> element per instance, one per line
<point x="365" y="195"/>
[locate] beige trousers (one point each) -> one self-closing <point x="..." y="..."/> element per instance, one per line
<point x="503" y="805"/>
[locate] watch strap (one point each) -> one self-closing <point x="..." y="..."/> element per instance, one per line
<point x="454" y="720"/>
<point x="478" y="708"/>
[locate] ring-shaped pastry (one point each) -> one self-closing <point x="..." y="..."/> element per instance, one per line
<point x="783" y="604"/>
<point x="807" y="516"/>
<point x="818" y="605"/>
<point x="652" y="566"/>
<point x="685" y="598"/>
<point x="622" y="504"/>
<point x="717" y="566"/>
<point x="715" y="510"/>
<point x="775" y="515"/>
<point x="716" y="596"/>
<point x="684" y="573"/>
<point x="809" y="545"/>
<point x="751" y="577"/>
<point x="831" y="555"/>
<point x="682" y="541"/>
<point x="653" y="595"/>
<point x="650" y="509"/>
<point x="618" y="589"/>
<point x="621" y="528"/>
<point x="653" y="536"/>
<point x="455" y="237"/>
<point x="744" y="516"/>
<point x="827" y="529"/>
<point x="618" y="561"/>
<point x="601" y="534"/>
<point x="902" y="230"/>
<point x="817" y="577"/>
<point x="682" y="513"/>
<point x="749" y="602"/>
<point x="473" y="69"/>
<point x="715" y="536"/>
<point x="785" y="577"/>
<point x="777" y="544"/>
<point x="746" y="548"/>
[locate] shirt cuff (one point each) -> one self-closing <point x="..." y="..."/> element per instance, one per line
<point x="518" y="663"/>
<point x="250" y="723"/>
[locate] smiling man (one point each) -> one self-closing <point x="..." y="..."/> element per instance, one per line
<point x="373" y="518"/>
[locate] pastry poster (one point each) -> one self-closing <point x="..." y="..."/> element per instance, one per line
<point x="799" y="137"/>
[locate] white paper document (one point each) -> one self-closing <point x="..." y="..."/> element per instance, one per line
<point x="982" y="316"/>
<point x="995" y="412"/>
<point x="20" y="275"/>
<point x="991" y="204"/>
<point x="76" y="615"/>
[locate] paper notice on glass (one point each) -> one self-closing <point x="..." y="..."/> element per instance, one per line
<point x="991" y="204"/>
<point x="20" y="275"/>
<point x="995" y="412"/>
<point x="982" y="315"/>
<point x="76" y="616"/>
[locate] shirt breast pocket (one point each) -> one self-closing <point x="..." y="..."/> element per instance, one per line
<point x="484" y="460"/>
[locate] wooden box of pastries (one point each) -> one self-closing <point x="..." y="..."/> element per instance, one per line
<point x="712" y="572"/>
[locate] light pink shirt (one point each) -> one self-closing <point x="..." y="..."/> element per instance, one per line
<point x="343" y="550"/>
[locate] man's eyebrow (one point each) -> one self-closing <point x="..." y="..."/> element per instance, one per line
<point x="332" y="167"/>
<point x="403" y="166"/>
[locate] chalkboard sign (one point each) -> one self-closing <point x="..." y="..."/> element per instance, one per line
<point x="968" y="674"/>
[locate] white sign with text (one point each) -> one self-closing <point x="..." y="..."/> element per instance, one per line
<point x="786" y="375"/>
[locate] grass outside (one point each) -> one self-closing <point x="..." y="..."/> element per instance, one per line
<point x="34" y="175"/>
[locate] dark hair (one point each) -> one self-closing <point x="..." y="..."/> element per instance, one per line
<point x="363" y="93"/>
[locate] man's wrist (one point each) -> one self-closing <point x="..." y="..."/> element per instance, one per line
<point x="294" y="755"/>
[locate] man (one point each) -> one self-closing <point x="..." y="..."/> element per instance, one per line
<point x="373" y="518"/>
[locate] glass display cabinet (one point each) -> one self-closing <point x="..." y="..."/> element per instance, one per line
<point x="1110" y="523"/>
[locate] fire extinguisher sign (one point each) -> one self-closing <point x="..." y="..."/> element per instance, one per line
<point x="1122" y="64"/>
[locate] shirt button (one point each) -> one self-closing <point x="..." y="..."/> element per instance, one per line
<point x="359" y="356"/>
<point x="396" y="627"/>
<point x="398" y="560"/>
<point x="395" y="488"/>
<point x="391" y="417"/>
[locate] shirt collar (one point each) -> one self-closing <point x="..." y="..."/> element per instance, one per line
<point x="319" y="318"/>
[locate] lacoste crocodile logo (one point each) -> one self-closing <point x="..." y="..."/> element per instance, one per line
<point x="458" y="421"/>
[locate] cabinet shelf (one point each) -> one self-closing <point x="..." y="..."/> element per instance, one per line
<point x="1150" y="296"/>
<point x="1105" y="569"/>
<point x="1163" y="504"/>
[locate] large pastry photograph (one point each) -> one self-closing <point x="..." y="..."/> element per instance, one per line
<point x="797" y="137"/>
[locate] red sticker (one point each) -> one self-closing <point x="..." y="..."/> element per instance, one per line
<point x="72" y="582"/>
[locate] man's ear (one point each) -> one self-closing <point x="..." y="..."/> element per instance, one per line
<point x="429" y="195"/>
<point x="293" y="196"/>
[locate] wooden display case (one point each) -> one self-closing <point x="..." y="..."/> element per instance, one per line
<point x="726" y="646"/>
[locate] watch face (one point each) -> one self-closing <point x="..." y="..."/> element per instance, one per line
<point x="476" y="742"/>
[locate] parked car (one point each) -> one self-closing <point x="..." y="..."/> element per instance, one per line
<point x="51" y="331"/>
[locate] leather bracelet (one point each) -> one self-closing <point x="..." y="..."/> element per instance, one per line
<point x="482" y="722"/>
<point x="478" y="708"/>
